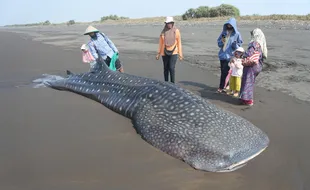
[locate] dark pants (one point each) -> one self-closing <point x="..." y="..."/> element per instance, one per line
<point x="169" y="62"/>
<point x="224" y="72"/>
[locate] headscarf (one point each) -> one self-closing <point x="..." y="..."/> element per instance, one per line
<point x="258" y="36"/>
<point x="169" y="35"/>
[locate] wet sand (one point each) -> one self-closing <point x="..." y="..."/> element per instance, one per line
<point x="60" y="140"/>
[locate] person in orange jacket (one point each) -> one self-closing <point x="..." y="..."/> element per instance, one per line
<point x="170" y="48"/>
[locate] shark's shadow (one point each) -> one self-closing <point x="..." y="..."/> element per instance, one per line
<point x="210" y="93"/>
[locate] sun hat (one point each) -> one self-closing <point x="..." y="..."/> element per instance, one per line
<point x="169" y="19"/>
<point x="90" y="29"/>
<point x="83" y="47"/>
<point x="240" y="49"/>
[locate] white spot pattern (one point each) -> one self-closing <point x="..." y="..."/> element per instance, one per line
<point x="174" y="120"/>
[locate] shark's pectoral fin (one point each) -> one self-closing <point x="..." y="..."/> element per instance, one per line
<point x="148" y="124"/>
<point x="151" y="125"/>
<point x="142" y="120"/>
<point x="154" y="126"/>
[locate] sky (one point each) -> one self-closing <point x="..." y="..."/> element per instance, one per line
<point x="56" y="11"/>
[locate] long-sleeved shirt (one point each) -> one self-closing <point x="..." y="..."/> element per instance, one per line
<point x="104" y="46"/>
<point x="236" y="67"/>
<point x="178" y="44"/>
<point x="232" y="43"/>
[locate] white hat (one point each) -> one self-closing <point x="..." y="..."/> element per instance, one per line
<point x="240" y="49"/>
<point x="90" y="29"/>
<point x="84" y="47"/>
<point x="169" y="19"/>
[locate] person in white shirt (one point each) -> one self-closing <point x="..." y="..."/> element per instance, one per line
<point x="236" y="67"/>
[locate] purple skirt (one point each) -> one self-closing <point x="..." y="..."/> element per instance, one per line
<point x="248" y="80"/>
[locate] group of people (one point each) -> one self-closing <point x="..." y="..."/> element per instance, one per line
<point x="239" y="67"/>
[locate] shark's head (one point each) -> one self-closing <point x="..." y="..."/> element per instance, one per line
<point x="228" y="149"/>
<point x="214" y="139"/>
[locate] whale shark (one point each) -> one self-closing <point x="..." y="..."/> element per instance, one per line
<point x="170" y="118"/>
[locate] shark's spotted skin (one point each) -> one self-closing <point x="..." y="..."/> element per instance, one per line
<point x="173" y="119"/>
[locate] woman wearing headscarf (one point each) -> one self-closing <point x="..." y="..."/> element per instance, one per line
<point x="170" y="48"/>
<point x="253" y="65"/>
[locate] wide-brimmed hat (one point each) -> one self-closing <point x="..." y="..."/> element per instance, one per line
<point x="169" y="19"/>
<point x="240" y="49"/>
<point x="90" y="29"/>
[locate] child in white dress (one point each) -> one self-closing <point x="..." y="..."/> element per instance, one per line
<point x="236" y="67"/>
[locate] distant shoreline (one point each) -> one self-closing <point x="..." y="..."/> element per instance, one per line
<point x="274" y="17"/>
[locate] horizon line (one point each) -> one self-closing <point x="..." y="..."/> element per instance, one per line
<point x="153" y="17"/>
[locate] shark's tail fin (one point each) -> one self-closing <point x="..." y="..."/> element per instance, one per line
<point x="46" y="80"/>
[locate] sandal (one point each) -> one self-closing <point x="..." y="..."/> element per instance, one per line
<point x="236" y="95"/>
<point x="247" y="104"/>
<point x="230" y="93"/>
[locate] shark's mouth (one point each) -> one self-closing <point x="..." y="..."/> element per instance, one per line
<point x="241" y="163"/>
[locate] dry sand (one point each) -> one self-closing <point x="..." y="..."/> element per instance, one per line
<point x="60" y="140"/>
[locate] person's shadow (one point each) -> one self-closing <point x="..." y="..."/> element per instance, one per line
<point x="210" y="93"/>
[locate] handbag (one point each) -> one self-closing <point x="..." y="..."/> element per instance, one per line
<point x="167" y="52"/>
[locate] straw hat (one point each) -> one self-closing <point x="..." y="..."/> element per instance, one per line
<point x="169" y="19"/>
<point x="90" y="29"/>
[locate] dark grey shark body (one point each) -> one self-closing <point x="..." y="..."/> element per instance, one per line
<point x="173" y="119"/>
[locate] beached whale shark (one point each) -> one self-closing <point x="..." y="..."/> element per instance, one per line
<point x="170" y="118"/>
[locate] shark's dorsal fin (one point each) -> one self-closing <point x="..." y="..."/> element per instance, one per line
<point x="101" y="65"/>
<point x="69" y="73"/>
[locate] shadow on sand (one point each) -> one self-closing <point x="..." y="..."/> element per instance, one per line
<point x="210" y="93"/>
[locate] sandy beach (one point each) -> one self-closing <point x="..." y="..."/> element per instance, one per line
<point x="60" y="140"/>
<point x="286" y="70"/>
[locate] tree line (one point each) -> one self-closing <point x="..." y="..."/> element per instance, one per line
<point x="209" y="12"/>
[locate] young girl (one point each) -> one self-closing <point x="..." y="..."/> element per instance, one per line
<point x="87" y="56"/>
<point x="236" y="68"/>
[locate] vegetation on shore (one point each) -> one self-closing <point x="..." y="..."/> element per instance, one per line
<point x="226" y="10"/>
<point x="202" y="13"/>
<point x="112" y="17"/>
<point x="222" y="10"/>
<point x="46" y="23"/>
